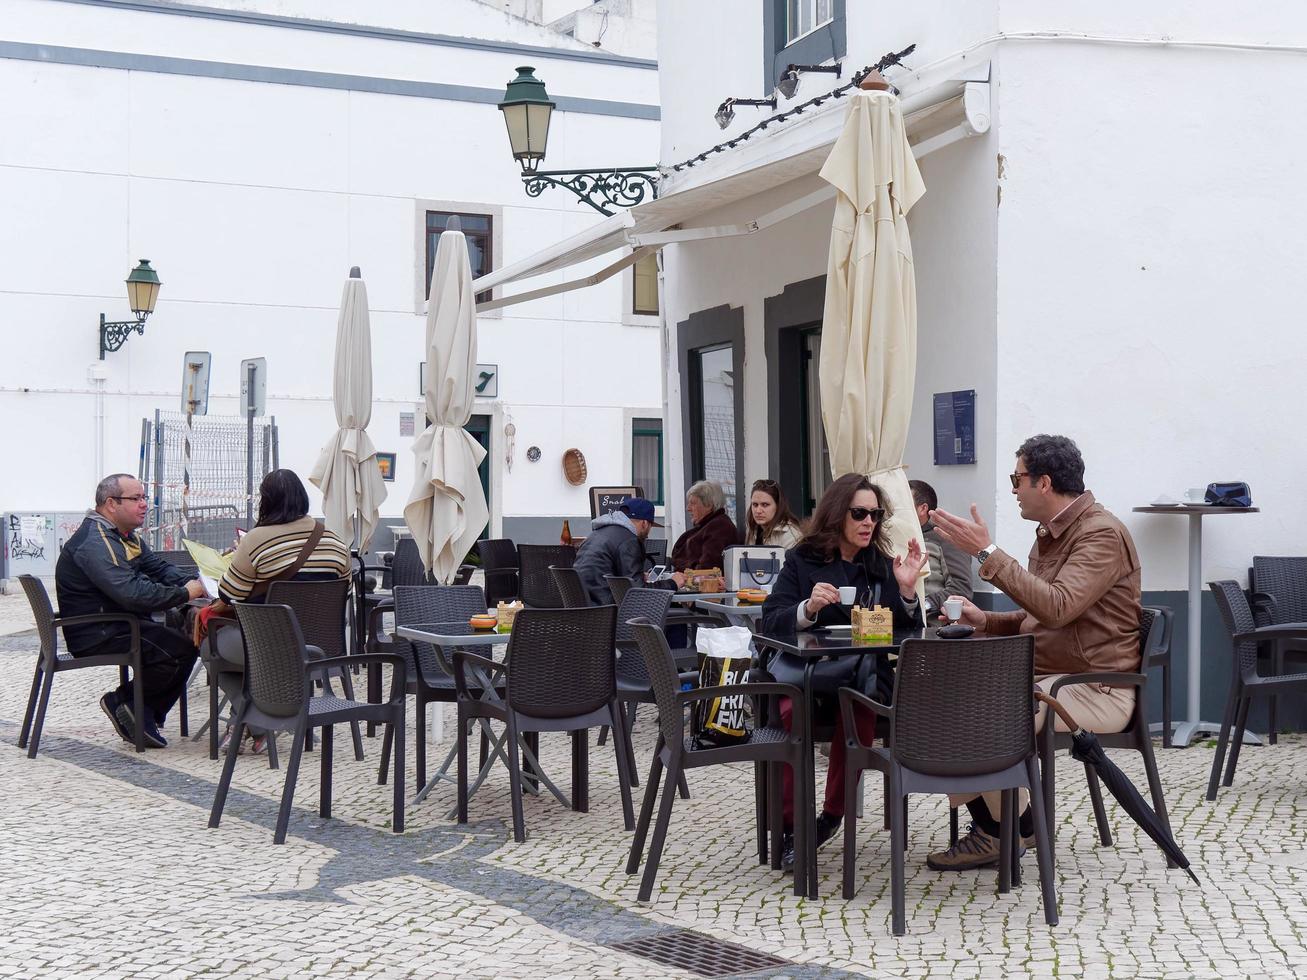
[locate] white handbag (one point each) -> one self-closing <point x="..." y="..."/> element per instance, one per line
<point x="752" y="567"/>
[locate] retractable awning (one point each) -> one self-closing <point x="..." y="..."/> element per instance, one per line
<point x="934" y="117"/>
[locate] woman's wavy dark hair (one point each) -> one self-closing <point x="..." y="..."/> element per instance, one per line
<point x="282" y="499"/>
<point x="826" y="526"/>
<point x="783" y="513"/>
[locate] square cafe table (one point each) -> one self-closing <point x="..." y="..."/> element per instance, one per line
<point x="811" y="647"/>
<point x="1192" y="728"/>
<point x="733" y="609"/>
<point x="461" y="635"/>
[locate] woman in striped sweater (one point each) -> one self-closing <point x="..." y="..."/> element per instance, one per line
<point x="266" y="554"/>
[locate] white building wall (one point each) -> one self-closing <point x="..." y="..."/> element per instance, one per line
<point x="253" y="200"/>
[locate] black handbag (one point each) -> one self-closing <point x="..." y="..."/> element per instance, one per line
<point x="1229" y="495"/>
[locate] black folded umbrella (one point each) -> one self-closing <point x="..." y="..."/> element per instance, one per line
<point x="1085" y="747"/>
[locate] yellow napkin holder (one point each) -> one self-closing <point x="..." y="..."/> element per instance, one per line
<point x="874" y="624"/>
<point x="506" y="612"/>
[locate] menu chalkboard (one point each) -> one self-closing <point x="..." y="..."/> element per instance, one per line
<point x="605" y="500"/>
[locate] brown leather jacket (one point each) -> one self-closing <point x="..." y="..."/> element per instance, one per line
<point x="702" y="545"/>
<point x="1080" y="597"/>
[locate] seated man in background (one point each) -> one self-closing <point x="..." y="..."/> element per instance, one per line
<point x="615" y="546"/>
<point x="949" y="566"/>
<point x="1079" y="597"/>
<point x="106" y="567"/>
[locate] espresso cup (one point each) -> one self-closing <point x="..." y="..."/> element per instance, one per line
<point x="953" y="609"/>
<point x="847" y="595"/>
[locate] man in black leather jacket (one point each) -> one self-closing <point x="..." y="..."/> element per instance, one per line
<point x="105" y="567"/>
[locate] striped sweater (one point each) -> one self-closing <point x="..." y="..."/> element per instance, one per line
<point x="268" y="551"/>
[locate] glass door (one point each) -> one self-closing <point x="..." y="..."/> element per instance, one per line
<point x="712" y="406"/>
<point x="816" y="454"/>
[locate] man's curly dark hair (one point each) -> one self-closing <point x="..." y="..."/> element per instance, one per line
<point x="1056" y="457"/>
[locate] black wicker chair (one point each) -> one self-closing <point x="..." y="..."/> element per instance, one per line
<point x="1247" y="682"/>
<point x="1153" y="622"/>
<point x="1279" y="588"/>
<point x="772" y="747"/>
<point x="430" y="675"/>
<point x="499" y="564"/>
<point x="49" y="661"/>
<point x="537" y="587"/>
<point x="559" y="676"/>
<point x="176" y="618"/>
<point x="319" y="608"/>
<point x="279" y="696"/>
<point x="570" y="589"/>
<point x="962" y="720"/>
<point x="618" y="585"/>
<point x="1157" y="653"/>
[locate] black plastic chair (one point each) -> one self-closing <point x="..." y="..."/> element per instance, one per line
<point x="499" y="564"/>
<point x="1154" y="621"/>
<point x="962" y="721"/>
<point x="1247" y="682"/>
<point x="536" y="586"/>
<point x="1157" y="653"/>
<point x="772" y="747"/>
<point x="618" y="585"/>
<point x="1279" y="597"/>
<point x="319" y="608"/>
<point x="559" y="676"/>
<point x="279" y="696"/>
<point x="49" y="661"/>
<point x="570" y="589"/>
<point x="176" y="618"/>
<point x="430" y="674"/>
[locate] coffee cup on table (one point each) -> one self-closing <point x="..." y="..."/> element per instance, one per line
<point x="847" y="595"/>
<point x="953" y="609"/>
<point x="1196" y="495"/>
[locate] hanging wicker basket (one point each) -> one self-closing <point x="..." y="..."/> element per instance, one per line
<point x="574" y="467"/>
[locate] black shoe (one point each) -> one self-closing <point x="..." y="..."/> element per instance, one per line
<point x="787" y="852"/>
<point x="827" y="824"/>
<point x="121" y="722"/>
<point x="153" y="738"/>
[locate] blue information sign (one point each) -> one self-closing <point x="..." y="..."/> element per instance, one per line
<point x="955" y="427"/>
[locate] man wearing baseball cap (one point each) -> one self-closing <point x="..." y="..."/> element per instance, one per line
<point x="615" y="546"/>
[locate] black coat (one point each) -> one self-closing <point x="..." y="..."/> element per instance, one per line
<point x="612" y="548"/>
<point x="803" y="569"/>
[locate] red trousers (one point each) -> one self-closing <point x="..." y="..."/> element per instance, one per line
<point x="834" y="801"/>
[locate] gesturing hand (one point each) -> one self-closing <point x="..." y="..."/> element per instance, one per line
<point x="969" y="535"/>
<point x="908" y="569"/>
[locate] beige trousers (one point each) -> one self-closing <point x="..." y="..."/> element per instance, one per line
<point x="1095" y="707"/>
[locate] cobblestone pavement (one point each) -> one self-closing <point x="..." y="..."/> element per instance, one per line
<point x="110" y="870"/>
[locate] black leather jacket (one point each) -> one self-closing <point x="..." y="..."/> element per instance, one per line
<point x="101" y="571"/>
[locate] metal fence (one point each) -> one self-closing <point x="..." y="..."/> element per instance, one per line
<point x="199" y="473"/>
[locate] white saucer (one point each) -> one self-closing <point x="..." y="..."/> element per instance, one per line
<point x="840" y="626"/>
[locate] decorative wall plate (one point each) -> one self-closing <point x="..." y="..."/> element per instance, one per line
<point x="533" y="454"/>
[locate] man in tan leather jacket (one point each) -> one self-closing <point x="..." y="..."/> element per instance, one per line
<point x="1079" y="596"/>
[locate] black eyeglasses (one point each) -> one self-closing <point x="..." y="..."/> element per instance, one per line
<point x="860" y="514"/>
<point x="136" y="499"/>
<point x="1016" y="479"/>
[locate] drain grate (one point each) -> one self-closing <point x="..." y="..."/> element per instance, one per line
<point x="697" y="953"/>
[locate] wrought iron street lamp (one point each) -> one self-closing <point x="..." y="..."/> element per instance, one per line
<point x="142" y="293"/>
<point x="527" y="111"/>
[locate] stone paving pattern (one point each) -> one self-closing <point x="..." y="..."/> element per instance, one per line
<point x="111" y="871"/>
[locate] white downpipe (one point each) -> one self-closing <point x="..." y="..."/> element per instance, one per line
<point x="97" y="374"/>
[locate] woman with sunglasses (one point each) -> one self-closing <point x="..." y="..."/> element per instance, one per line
<point x="770" y="521"/>
<point x="845" y="545"/>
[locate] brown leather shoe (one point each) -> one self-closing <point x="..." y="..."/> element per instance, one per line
<point x="976" y="850"/>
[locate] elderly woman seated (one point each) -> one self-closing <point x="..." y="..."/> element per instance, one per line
<point x="713" y="532"/>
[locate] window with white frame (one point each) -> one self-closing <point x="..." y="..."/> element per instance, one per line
<point x="805" y="16"/>
<point x="644" y="290"/>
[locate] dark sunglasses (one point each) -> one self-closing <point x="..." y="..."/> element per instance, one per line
<point x="860" y="514"/>
<point x="1016" y="479"/>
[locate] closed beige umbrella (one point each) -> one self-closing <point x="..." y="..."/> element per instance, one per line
<point x="869" y="327"/>
<point x="346" y="471"/>
<point x="446" y="510"/>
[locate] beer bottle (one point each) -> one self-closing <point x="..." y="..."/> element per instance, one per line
<point x="566" y="537"/>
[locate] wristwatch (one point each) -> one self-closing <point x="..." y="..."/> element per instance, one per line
<point x="985" y="552"/>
